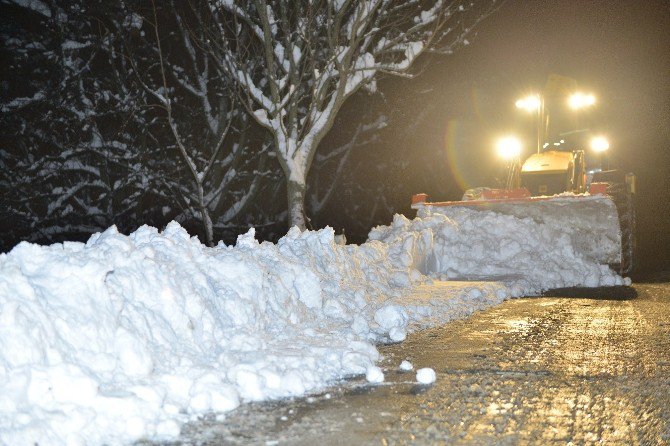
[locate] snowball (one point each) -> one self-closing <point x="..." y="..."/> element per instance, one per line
<point x="391" y="316"/>
<point x="406" y="366"/>
<point x="397" y="334"/>
<point x="425" y="375"/>
<point x="374" y="375"/>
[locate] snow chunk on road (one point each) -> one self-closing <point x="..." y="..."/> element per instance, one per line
<point x="405" y="366"/>
<point x="374" y="375"/>
<point x="425" y="375"/>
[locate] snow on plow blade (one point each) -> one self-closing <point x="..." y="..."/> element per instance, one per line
<point x="591" y="221"/>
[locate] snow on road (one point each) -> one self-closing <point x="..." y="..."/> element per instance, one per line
<point x="127" y="337"/>
<point x="481" y="245"/>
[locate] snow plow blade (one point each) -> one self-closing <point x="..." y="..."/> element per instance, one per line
<point x="591" y="220"/>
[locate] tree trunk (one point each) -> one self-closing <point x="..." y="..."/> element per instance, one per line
<point x="204" y="215"/>
<point x="296" y="204"/>
<point x="207" y="226"/>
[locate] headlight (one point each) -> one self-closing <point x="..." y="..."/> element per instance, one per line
<point x="600" y="144"/>
<point x="508" y="147"/>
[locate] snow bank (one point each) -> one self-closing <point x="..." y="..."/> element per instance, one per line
<point x="530" y="257"/>
<point x="590" y="221"/>
<point x="127" y="337"/>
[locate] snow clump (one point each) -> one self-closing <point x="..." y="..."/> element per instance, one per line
<point x="374" y="375"/>
<point x="405" y="366"/>
<point x="425" y="375"/>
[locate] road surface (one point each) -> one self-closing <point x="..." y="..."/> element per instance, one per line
<point x="593" y="368"/>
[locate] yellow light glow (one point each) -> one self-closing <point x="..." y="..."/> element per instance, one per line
<point x="529" y="103"/>
<point x="600" y="144"/>
<point x="509" y="147"/>
<point x="581" y="100"/>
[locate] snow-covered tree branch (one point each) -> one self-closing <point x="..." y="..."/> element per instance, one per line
<point x="297" y="62"/>
<point x="200" y="110"/>
<point x="89" y="142"/>
<point x="70" y="155"/>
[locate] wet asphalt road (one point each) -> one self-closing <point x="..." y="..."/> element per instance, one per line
<point x="593" y="368"/>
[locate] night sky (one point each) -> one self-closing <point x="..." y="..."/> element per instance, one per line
<point x="617" y="50"/>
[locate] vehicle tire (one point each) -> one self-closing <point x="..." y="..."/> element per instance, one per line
<point x="625" y="204"/>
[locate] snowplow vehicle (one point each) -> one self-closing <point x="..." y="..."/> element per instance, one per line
<point x="553" y="187"/>
<point x="566" y="184"/>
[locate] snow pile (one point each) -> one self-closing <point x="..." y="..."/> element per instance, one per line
<point x="431" y="304"/>
<point x="590" y="221"/>
<point x="127" y="337"/>
<point x="480" y="245"/>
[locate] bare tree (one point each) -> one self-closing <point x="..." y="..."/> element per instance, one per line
<point x="70" y="162"/>
<point x="297" y="62"/>
<point x="207" y="126"/>
<point x="86" y="146"/>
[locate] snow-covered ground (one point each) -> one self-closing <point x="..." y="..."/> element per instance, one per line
<point x="126" y="337"/>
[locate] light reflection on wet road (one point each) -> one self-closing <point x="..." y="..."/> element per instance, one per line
<point x="551" y="370"/>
